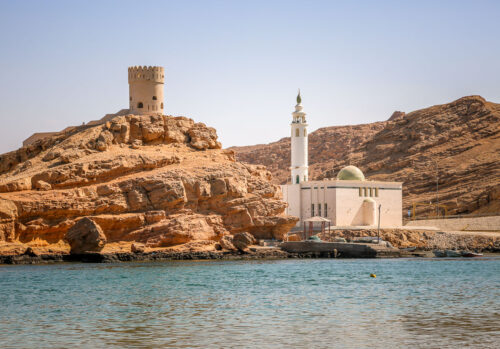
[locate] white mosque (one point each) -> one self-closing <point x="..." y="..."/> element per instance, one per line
<point x="348" y="200"/>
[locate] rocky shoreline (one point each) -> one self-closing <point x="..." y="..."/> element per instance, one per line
<point x="271" y="253"/>
<point x="252" y="254"/>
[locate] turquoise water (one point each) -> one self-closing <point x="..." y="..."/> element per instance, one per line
<point x="253" y="304"/>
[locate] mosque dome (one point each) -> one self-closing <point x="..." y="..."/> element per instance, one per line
<point x="350" y="173"/>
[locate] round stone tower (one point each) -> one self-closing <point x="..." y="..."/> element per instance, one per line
<point x="299" y="167"/>
<point x="146" y="89"/>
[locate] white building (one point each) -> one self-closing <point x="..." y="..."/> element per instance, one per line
<point x="348" y="200"/>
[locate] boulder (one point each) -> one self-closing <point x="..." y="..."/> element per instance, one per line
<point x="30" y="252"/>
<point x="226" y="243"/>
<point x="137" y="248"/>
<point x="242" y="240"/>
<point x="85" y="236"/>
<point x="203" y="137"/>
<point x="42" y="185"/>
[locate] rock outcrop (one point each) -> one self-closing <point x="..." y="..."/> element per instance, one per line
<point x="226" y="243"/>
<point x="242" y="240"/>
<point x="85" y="236"/>
<point x="155" y="180"/>
<point x="455" y="144"/>
<point x="137" y="248"/>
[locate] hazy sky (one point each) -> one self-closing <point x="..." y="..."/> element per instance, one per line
<point x="236" y="65"/>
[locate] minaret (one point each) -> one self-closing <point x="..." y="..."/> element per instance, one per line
<point x="299" y="167"/>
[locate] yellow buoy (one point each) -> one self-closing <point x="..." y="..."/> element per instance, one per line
<point x="373" y="275"/>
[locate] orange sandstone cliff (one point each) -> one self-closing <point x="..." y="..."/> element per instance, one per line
<point x="158" y="180"/>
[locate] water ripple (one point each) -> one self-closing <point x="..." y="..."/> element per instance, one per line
<point x="253" y="304"/>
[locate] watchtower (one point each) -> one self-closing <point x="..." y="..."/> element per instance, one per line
<point x="146" y="89"/>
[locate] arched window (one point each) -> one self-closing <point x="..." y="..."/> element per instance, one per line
<point x="297" y="179"/>
<point x="296" y="132"/>
<point x="154" y="98"/>
<point x="140" y="105"/>
<point x="305" y="132"/>
<point x="161" y="105"/>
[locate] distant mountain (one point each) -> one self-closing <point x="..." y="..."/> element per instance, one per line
<point x="455" y="144"/>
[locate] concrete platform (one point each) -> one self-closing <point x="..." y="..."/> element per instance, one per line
<point x="340" y="249"/>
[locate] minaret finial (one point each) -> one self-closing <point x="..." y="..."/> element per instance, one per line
<point x="299" y="99"/>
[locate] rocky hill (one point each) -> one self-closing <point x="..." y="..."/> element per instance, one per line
<point x="456" y="145"/>
<point x="158" y="180"/>
<point x="325" y="144"/>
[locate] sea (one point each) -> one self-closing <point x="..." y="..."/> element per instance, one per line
<point x="298" y="303"/>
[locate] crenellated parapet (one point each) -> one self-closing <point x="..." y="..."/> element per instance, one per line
<point x="146" y="89"/>
<point x="146" y="73"/>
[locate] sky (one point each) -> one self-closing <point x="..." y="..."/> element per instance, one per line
<point x="237" y="65"/>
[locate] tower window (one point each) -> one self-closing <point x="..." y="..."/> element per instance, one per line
<point x="297" y="179"/>
<point x="319" y="210"/>
<point x="161" y="105"/>
<point x="140" y="105"/>
<point x="326" y="210"/>
<point x="296" y="132"/>
<point x="360" y="191"/>
<point x="376" y="192"/>
<point x="130" y="97"/>
<point x="154" y="98"/>
<point x="305" y="133"/>
<point x="312" y="210"/>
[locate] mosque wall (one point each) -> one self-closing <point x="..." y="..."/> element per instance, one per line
<point x="346" y="203"/>
<point x="291" y="195"/>
<point x="352" y="209"/>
